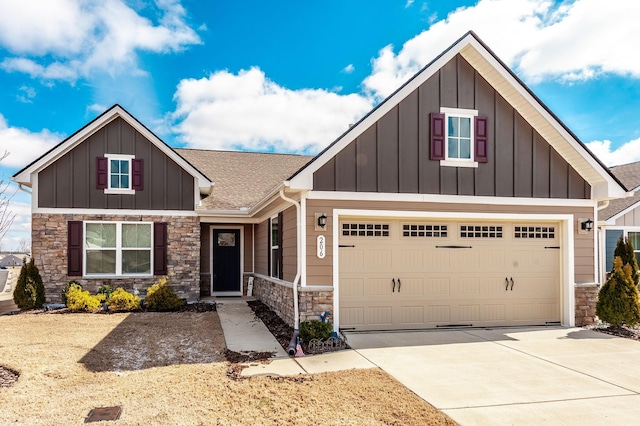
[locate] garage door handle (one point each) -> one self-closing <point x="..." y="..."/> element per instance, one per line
<point x="511" y="284"/>
<point x="393" y="290"/>
<point x="507" y="280"/>
<point x="399" y="284"/>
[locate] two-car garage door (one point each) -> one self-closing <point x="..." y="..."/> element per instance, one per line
<point x="410" y="274"/>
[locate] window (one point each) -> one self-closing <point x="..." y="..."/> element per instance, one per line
<point x="634" y="237"/>
<point x="117" y="248"/>
<point x="119" y="174"/>
<point x="365" y="229"/>
<point x="275" y="242"/>
<point x="458" y="137"/>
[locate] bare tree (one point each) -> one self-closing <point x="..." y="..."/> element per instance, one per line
<point x="24" y="245"/>
<point x="6" y="215"/>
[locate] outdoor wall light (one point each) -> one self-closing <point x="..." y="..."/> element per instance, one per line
<point x="587" y="225"/>
<point x="321" y="221"/>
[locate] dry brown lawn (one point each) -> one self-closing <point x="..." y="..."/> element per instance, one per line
<point x="169" y="368"/>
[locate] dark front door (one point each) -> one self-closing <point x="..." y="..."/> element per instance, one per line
<point x="226" y="260"/>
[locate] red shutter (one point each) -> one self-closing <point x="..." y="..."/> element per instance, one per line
<point x="136" y="174"/>
<point x="280" y="248"/>
<point x="74" y="248"/>
<point x="160" y="248"/>
<point x="482" y="139"/>
<point x="102" y="173"/>
<point x="437" y="136"/>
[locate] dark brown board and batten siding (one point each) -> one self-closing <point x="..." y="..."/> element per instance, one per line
<point x="70" y="182"/>
<point x="392" y="155"/>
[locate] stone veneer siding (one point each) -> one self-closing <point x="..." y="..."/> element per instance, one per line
<point x="586" y="299"/>
<point x="278" y="296"/>
<point x="49" y="250"/>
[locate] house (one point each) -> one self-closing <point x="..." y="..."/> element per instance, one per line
<point x="460" y="200"/>
<point x="10" y="260"/>
<point x="620" y="217"/>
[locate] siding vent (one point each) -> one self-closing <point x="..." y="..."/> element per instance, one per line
<point x="365" y="229"/>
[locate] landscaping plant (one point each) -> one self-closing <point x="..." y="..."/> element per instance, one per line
<point x="315" y="329"/>
<point x="160" y="297"/>
<point x="29" y="291"/>
<point x="79" y="300"/>
<point x="107" y="290"/>
<point x="66" y="288"/>
<point x="624" y="249"/>
<point x="618" y="302"/>
<point x="122" y="300"/>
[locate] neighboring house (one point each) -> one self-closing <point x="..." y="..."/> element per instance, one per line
<point x="620" y="217"/>
<point x="10" y="260"/>
<point x="457" y="201"/>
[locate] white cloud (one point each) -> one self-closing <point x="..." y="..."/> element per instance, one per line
<point x="626" y="153"/>
<point x="67" y="39"/>
<point x="21" y="226"/>
<point x="26" y="95"/>
<point x="349" y="69"/>
<point x="248" y="111"/>
<point x="23" y="145"/>
<point x="571" y="41"/>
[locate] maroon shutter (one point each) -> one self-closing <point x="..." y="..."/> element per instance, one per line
<point x="74" y="248"/>
<point x="102" y="173"/>
<point x="481" y="142"/>
<point x="136" y="174"/>
<point x="160" y="248"/>
<point x="280" y="249"/>
<point x="437" y="136"/>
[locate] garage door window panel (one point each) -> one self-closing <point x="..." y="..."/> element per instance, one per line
<point x="365" y="230"/>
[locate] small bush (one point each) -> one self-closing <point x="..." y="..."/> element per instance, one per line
<point x="160" y="297"/>
<point x="29" y="291"/>
<point x="122" y="300"/>
<point x="618" y="301"/>
<point x="79" y="300"/>
<point x="107" y="290"/>
<point x="315" y="329"/>
<point x="66" y="288"/>
<point x="624" y="249"/>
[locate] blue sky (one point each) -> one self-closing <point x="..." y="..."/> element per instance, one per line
<point x="289" y="76"/>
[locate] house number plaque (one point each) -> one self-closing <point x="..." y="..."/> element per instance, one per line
<point x="320" y="247"/>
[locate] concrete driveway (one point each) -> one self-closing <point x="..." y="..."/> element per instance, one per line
<point x="514" y="376"/>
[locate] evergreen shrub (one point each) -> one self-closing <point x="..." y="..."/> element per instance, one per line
<point x="160" y="297"/>
<point x="66" y="288"/>
<point x="618" y="302"/>
<point x="122" y="300"/>
<point x="315" y="329"/>
<point x="107" y="290"/>
<point x="29" y="291"/>
<point x="624" y="249"/>
<point x="79" y="300"/>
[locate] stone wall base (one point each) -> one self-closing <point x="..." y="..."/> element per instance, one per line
<point x="586" y="299"/>
<point x="278" y="296"/>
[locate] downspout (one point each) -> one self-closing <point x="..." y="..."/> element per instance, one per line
<point x="296" y="314"/>
<point x="21" y="188"/>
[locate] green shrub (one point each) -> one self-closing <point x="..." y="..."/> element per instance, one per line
<point x="618" y="301"/>
<point x="122" y="300"/>
<point x="315" y="329"/>
<point x="66" y="288"/>
<point x="29" y="291"/>
<point x="624" y="249"/>
<point x="79" y="300"/>
<point x="107" y="290"/>
<point x="160" y="297"/>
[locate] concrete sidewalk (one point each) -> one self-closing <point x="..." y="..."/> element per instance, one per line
<point x="244" y="332"/>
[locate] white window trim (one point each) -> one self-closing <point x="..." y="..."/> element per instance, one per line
<point x="273" y="245"/>
<point x="465" y="113"/>
<point x="121" y="157"/>
<point x="118" y="248"/>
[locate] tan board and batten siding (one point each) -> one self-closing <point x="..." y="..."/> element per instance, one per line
<point x="70" y="182"/>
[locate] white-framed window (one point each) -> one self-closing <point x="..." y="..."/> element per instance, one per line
<point x="118" y="248"/>
<point x="119" y="174"/>
<point x="275" y="247"/>
<point x="459" y="137"/>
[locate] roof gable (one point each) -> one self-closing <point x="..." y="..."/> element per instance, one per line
<point x="25" y="176"/>
<point x="603" y="184"/>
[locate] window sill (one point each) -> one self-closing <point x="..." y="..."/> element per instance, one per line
<point x="120" y="191"/>
<point x="103" y="276"/>
<point x="454" y="163"/>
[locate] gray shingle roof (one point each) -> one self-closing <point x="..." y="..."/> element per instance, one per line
<point x="629" y="175"/>
<point x="242" y="179"/>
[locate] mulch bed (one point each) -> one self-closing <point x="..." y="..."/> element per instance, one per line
<point x="626" y="332"/>
<point x="280" y="329"/>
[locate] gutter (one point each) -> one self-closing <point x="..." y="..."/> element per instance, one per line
<point x="296" y="311"/>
